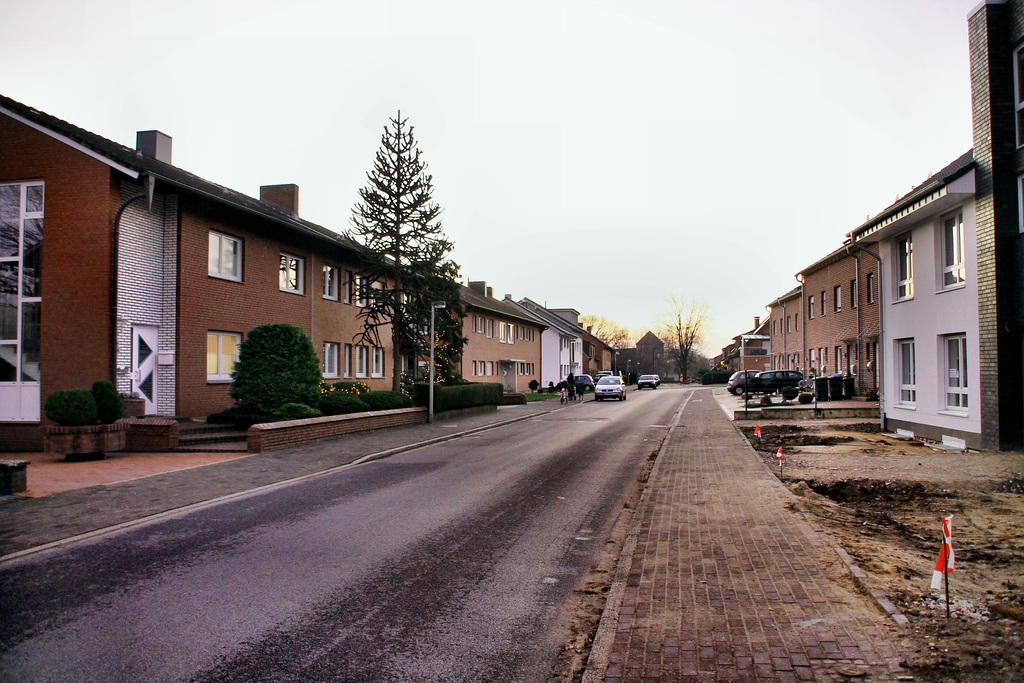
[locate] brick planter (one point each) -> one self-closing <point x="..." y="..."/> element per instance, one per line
<point x="13" y="476"/>
<point x="134" y="407"/>
<point x="85" y="442"/>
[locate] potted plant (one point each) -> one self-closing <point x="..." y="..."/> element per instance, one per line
<point x="88" y="422"/>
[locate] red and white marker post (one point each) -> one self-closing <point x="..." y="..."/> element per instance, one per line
<point x="944" y="565"/>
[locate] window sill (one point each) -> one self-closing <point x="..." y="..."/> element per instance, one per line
<point x="954" y="413"/>
<point x="218" y="380"/>
<point x="226" y="278"/>
<point x="904" y="299"/>
<point x="291" y="291"/>
<point x="952" y="288"/>
<point x="906" y="406"/>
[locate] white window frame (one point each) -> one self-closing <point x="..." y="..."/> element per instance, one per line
<point x="904" y="265"/>
<point x="360" y="299"/>
<point x="490" y="328"/>
<point x="954" y="273"/>
<point x="221" y="373"/>
<point x="490" y="368"/>
<point x="377" y="369"/>
<point x="331" y="282"/>
<point x="362" y="361"/>
<point x="955" y="381"/>
<point x="871" y="288"/>
<point x="217" y="240"/>
<point x="347" y="360"/>
<point x="810" y="307"/>
<point x="837" y="298"/>
<point x="906" y="368"/>
<point x="824" y="306"/>
<point x="853" y="293"/>
<point x="330" y="368"/>
<point x="291" y="264"/>
<point x="349" y="282"/>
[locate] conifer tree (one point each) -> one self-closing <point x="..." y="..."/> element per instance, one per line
<point x="407" y="265"/>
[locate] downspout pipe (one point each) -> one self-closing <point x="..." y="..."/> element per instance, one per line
<point x="881" y="330"/>
<point x="115" y="258"/>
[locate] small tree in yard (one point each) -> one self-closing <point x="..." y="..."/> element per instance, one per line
<point x="277" y="364"/>
<point x="406" y="265"/>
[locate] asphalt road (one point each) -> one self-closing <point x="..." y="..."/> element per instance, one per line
<point x="449" y="563"/>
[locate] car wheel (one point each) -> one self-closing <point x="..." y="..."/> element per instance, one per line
<point x="738" y="391"/>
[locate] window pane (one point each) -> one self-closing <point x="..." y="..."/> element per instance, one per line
<point x="30" y="342"/>
<point x="8" y="300"/>
<point x="10" y="219"/>
<point x="212" y="354"/>
<point x="34" y="199"/>
<point x="229" y="352"/>
<point x="229" y="257"/>
<point x="32" y="260"/>
<point x="8" y="372"/>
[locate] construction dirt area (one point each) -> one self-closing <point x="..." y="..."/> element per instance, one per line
<point x="882" y="498"/>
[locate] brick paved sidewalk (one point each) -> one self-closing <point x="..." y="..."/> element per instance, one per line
<point x="720" y="581"/>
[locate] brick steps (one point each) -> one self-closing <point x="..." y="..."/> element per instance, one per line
<point x="198" y="437"/>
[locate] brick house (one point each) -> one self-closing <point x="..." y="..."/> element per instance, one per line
<point x="784" y="329"/>
<point x="597" y="355"/>
<point x="928" y="292"/>
<point x="152" y="275"/>
<point x="840" y="316"/>
<point x="750" y="350"/>
<point x="503" y="344"/>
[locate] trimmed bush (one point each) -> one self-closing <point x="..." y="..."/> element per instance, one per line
<point x="296" y="411"/>
<point x="109" y="404"/>
<point x="340" y="403"/>
<point x="805" y="397"/>
<point x="534" y="385"/>
<point x="789" y="393"/>
<point x="71" y="407"/>
<point x="461" y="396"/>
<point x="715" y="377"/>
<point x="766" y="400"/>
<point x="387" y="400"/>
<point x="277" y="364"/>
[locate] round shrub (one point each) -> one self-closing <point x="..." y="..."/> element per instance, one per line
<point x="277" y="364"/>
<point x="338" y="403"/>
<point x="71" y="407"/>
<point x="109" y="403"/>
<point x="766" y="400"/>
<point x="386" y="400"/>
<point x="789" y="393"/>
<point x="534" y="385"/>
<point x="296" y="411"/>
<point x="806" y="397"/>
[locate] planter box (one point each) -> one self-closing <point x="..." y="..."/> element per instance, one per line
<point x="85" y="442"/>
<point x="134" y="407"/>
<point x="13" y="476"/>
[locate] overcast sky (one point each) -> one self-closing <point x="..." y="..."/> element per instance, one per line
<point x="596" y="155"/>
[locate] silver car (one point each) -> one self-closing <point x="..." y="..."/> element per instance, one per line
<point x="609" y="387"/>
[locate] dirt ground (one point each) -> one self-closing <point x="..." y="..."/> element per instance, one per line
<point x="882" y="499"/>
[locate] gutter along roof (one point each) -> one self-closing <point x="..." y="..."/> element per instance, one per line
<point x="485" y="303"/>
<point x="134" y="164"/>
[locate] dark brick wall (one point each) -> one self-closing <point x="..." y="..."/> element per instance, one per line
<point x="995" y="30"/>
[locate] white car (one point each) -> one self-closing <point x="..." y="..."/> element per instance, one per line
<point x="609" y="387"/>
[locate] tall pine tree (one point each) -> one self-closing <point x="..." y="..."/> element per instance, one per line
<point x="407" y="265"/>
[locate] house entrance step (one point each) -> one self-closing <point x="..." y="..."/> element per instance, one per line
<point x="199" y="437"/>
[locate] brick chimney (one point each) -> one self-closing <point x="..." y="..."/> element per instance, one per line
<point x="154" y="144"/>
<point x="282" y="196"/>
<point x="757" y="322"/>
<point x="480" y="287"/>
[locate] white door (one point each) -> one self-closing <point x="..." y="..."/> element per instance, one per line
<point x="144" y="346"/>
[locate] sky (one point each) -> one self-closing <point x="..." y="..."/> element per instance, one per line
<point x="590" y="154"/>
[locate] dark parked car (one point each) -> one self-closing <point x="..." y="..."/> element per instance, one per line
<point x="771" y="381"/>
<point x="738" y="382"/>
<point x="648" y="381"/>
<point x="584" y="383"/>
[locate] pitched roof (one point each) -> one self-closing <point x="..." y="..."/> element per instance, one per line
<point x="497" y="306"/>
<point x="134" y="164"/>
<point x="551" y="319"/>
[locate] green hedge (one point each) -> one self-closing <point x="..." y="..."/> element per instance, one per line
<point x="387" y="400"/>
<point x="340" y="403"/>
<point x="715" y="377"/>
<point x="296" y="411"/>
<point x="459" y="396"/>
<point x="109" y="403"/>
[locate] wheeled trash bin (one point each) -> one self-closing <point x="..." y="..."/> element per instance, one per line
<point x="821" y="388"/>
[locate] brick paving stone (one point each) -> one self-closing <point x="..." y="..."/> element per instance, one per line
<point x="745" y="580"/>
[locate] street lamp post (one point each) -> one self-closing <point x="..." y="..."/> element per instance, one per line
<point x="434" y="305"/>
